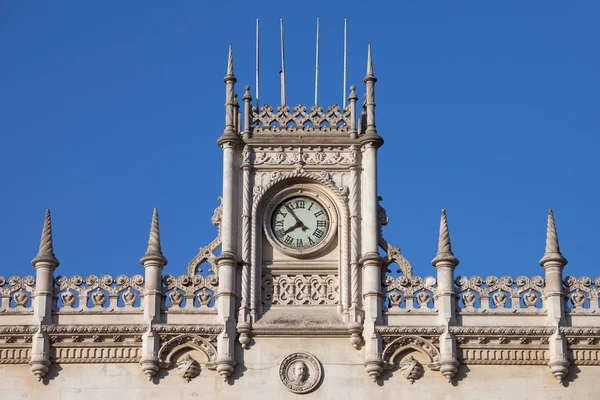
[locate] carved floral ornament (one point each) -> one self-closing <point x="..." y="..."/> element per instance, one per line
<point x="95" y="289"/>
<point x="300" y="372"/>
<point x="505" y="293"/>
<point x="583" y="293"/>
<point x="17" y="289"/>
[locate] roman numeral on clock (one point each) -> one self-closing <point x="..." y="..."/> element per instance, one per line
<point x="280" y="223"/>
<point x="310" y="241"/>
<point x="299" y="203"/>
<point x="288" y="239"/>
<point x="318" y="213"/>
<point x="318" y="233"/>
<point x="321" y="224"/>
<point x="299" y="243"/>
<point x="280" y="232"/>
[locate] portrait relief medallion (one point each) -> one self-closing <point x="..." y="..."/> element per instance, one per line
<point x="300" y="372"/>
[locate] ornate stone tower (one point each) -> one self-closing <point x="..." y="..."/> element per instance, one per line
<point x="301" y="222"/>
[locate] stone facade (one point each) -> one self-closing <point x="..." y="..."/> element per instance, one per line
<point x="322" y="306"/>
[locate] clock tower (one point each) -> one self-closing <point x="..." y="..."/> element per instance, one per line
<point x="300" y="224"/>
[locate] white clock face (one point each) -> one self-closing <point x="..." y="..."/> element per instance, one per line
<point x="300" y="223"/>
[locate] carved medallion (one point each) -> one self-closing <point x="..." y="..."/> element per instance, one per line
<point x="300" y="372"/>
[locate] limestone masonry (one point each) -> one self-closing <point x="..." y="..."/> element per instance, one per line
<point x="299" y="294"/>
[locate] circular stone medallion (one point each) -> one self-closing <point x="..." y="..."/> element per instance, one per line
<point x="300" y="372"/>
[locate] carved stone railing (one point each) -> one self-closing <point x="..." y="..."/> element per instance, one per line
<point x="300" y="290"/>
<point x="410" y="293"/>
<point x="582" y="294"/>
<point x="315" y="120"/>
<point x="506" y="294"/>
<point x="16" y="293"/>
<point x="188" y="293"/>
<point x="99" y="294"/>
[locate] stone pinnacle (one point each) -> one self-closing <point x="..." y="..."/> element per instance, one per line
<point x="369" y="61"/>
<point x="154" y="251"/>
<point x="46" y="251"/>
<point x="230" y="76"/>
<point x="444" y="252"/>
<point x="552" y="252"/>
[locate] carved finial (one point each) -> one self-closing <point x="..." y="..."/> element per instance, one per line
<point x="552" y="252"/>
<point x="46" y="251"/>
<point x="353" y="95"/>
<point x="154" y="251"/>
<point x="444" y="252"/>
<point x="247" y="96"/>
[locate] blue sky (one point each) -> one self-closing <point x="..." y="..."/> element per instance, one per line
<point x="488" y="109"/>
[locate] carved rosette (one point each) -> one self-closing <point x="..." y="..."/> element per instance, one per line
<point x="300" y="372"/>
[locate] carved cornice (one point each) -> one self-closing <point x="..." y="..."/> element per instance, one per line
<point x="18" y="329"/>
<point x="94" y="329"/>
<point x="501" y="331"/>
<point x="412" y="330"/>
<point x="197" y="329"/>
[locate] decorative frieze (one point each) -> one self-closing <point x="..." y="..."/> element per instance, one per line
<point x="300" y="289"/>
<point x="309" y="155"/>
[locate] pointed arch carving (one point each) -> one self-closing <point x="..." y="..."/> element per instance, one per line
<point x="411" y="342"/>
<point x="186" y="341"/>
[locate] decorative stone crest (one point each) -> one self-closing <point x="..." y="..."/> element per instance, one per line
<point x="300" y="372"/>
<point x="411" y="369"/>
<point x="188" y="368"/>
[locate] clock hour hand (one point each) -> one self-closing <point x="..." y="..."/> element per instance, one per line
<point x="291" y="228"/>
<point x="298" y="222"/>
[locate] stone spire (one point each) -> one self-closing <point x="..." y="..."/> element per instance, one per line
<point x="154" y="251"/>
<point x="552" y="252"/>
<point x="230" y="75"/>
<point x="229" y="134"/>
<point x="444" y="252"/>
<point x="46" y="251"/>
<point x="370" y="126"/>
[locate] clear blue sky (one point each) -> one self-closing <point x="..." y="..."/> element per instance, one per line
<point x="488" y="109"/>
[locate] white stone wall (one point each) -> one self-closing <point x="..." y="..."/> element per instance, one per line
<point x="257" y="376"/>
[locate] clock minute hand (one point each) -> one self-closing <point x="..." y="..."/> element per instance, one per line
<point x="298" y="222"/>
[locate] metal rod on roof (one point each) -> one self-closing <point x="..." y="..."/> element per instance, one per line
<point x="257" y="64"/>
<point x="345" y="59"/>
<point x="282" y="73"/>
<point x="317" y="67"/>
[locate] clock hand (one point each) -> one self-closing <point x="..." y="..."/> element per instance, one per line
<point x="291" y="228"/>
<point x="298" y="222"/>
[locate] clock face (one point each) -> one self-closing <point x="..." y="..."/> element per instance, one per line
<point x="300" y="223"/>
